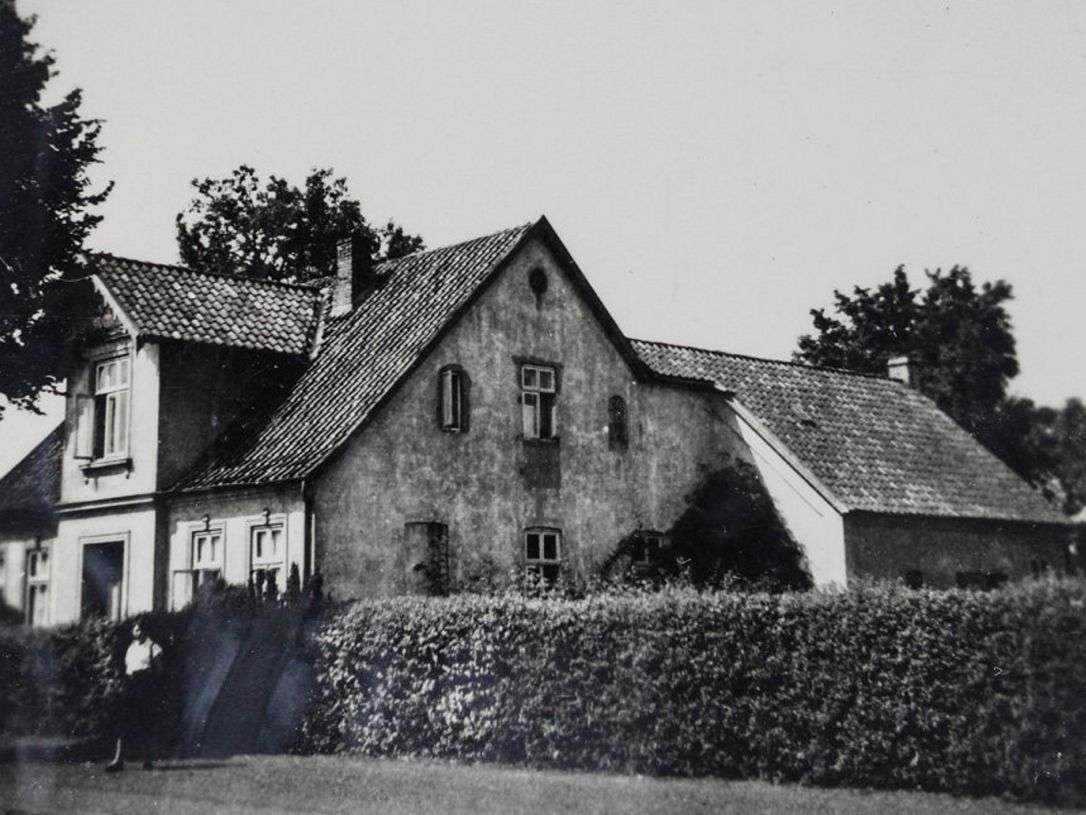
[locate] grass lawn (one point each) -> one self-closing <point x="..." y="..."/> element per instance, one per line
<point x="331" y="784"/>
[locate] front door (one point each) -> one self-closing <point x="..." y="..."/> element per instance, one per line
<point x="103" y="577"/>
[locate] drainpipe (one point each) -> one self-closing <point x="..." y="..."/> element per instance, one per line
<point x="309" y="530"/>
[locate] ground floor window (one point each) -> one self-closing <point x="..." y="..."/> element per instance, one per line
<point x="267" y="553"/>
<point x="543" y="553"/>
<point x="645" y="549"/>
<point x="103" y="580"/>
<point x="207" y="557"/>
<point x="37" y="586"/>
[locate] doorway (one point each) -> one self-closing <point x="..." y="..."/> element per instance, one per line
<point x="103" y="580"/>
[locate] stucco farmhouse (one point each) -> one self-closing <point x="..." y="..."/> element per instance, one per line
<point x="460" y="412"/>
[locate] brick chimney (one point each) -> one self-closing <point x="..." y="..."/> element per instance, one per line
<point x="898" y="368"/>
<point x="352" y="275"/>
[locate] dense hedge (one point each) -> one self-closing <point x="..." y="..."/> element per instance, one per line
<point x="958" y="691"/>
<point x="68" y="681"/>
<point x="63" y="681"/>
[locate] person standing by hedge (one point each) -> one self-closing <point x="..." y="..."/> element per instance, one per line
<point x="142" y="669"/>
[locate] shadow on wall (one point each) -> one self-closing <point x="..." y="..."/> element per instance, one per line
<point x="729" y="536"/>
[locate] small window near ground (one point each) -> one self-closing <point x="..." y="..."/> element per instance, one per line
<point x="617" y="433"/>
<point x="980" y="580"/>
<point x="543" y="553"/>
<point x="645" y="549"/>
<point x="452" y="399"/>
<point x="539" y="387"/>
<point x="914" y="579"/>
<point x="37" y="586"/>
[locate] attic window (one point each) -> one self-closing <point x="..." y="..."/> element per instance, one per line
<point x="452" y="399"/>
<point x="537" y="279"/>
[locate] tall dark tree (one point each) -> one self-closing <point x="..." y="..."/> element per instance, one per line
<point x="45" y="216"/>
<point x="248" y="226"/>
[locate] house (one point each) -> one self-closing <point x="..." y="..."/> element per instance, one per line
<point x="452" y="416"/>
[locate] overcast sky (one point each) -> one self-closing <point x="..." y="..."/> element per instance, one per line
<point x="716" y="169"/>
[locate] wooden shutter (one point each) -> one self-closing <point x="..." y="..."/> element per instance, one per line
<point x="84" y="426"/>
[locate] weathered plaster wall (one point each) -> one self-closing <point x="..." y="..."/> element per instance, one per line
<point x="135" y="527"/>
<point x="403" y="468"/>
<point x="235" y="514"/>
<point x="888" y="546"/>
<point x="78" y="484"/>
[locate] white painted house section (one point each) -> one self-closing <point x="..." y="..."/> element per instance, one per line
<point x="805" y="506"/>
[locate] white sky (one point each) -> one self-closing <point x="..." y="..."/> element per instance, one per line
<point x="717" y="169"/>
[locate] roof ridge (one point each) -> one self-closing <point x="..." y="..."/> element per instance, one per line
<point x="751" y="357"/>
<point x="311" y="286"/>
<point x="421" y="252"/>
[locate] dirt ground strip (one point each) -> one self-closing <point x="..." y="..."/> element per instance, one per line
<point x="331" y="784"/>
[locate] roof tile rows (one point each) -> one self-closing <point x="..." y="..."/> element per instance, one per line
<point x="875" y="443"/>
<point x="32" y="486"/>
<point x="169" y="302"/>
<point x="362" y="357"/>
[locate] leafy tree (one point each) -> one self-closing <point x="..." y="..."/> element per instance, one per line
<point x="958" y="339"/>
<point x="730" y="530"/>
<point x="272" y="229"/>
<point x="45" y="203"/>
<point x="961" y="349"/>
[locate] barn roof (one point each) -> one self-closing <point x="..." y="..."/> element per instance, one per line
<point x="875" y="443"/>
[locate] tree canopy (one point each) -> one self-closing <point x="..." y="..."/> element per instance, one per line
<point x="245" y="225"/>
<point x="46" y="214"/>
<point x="960" y="344"/>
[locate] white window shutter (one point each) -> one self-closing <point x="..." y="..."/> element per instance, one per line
<point x="84" y="427"/>
<point x="528" y="414"/>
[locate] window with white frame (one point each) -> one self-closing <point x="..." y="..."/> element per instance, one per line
<point x="452" y="399"/>
<point x="539" y="388"/>
<point x="267" y="552"/>
<point x="37" y="586"/>
<point x="543" y="553"/>
<point x="207" y="556"/>
<point x="103" y="415"/>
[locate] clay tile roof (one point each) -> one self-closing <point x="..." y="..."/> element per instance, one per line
<point x="875" y="443"/>
<point x="361" y="358"/>
<point x="32" y="487"/>
<point x="169" y="302"/>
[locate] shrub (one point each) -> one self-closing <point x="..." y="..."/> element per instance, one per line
<point x="63" y="681"/>
<point x="957" y="691"/>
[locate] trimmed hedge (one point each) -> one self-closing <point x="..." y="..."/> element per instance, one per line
<point x="957" y="691"/>
<point x="68" y="681"/>
<point x="59" y="682"/>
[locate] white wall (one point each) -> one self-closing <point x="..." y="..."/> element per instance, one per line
<point x="234" y="514"/>
<point x="135" y="527"/>
<point x="809" y="516"/>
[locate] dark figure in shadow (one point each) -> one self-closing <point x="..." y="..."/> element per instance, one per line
<point x="142" y="678"/>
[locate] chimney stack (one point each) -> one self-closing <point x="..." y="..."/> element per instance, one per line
<point x="352" y="275"/>
<point x="898" y="368"/>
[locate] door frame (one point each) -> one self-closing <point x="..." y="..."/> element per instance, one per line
<point x="123" y="538"/>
